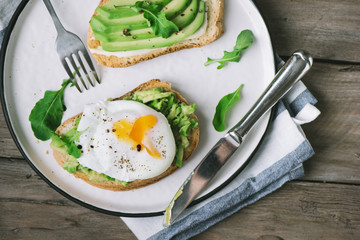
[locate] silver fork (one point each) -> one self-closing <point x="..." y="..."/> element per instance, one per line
<point x="68" y="47"/>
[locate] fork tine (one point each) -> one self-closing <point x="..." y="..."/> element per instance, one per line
<point x="68" y="71"/>
<point x="83" y="68"/>
<point x="71" y="60"/>
<point x="91" y="65"/>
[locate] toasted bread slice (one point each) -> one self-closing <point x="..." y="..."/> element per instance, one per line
<point x="214" y="29"/>
<point x="116" y="186"/>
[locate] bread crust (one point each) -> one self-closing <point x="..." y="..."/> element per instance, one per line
<point x="61" y="158"/>
<point x="214" y="29"/>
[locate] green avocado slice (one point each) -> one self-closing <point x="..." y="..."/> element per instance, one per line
<point x="116" y="12"/>
<point x="188" y="15"/>
<point x="116" y="3"/>
<point x="175" y="7"/>
<point x="100" y="24"/>
<point x="182" y="20"/>
<point x="111" y="19"/>
<point x="133" y="35"/>
<point x="172" y="9"/>
<point x="120" y="9"/>
<point x="158" y="42"/>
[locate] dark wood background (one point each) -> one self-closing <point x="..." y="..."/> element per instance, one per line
<point x="325" y="204"/>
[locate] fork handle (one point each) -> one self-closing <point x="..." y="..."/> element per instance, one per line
<point x="57" y="23"/>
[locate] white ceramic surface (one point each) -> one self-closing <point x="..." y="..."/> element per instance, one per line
<point x="32" y="66"/>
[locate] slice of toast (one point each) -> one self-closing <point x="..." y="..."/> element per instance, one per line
<point x="214" y="29"/>
<point x="116" y="186"/>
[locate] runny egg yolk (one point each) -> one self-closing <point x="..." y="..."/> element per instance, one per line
<point x="134" y="134"/>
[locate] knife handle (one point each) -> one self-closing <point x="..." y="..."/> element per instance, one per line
<point x="298" y="64"/>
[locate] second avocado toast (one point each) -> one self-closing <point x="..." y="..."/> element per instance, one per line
<point x="119" y="36"/>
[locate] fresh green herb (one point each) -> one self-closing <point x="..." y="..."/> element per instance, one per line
<point x="223" y="106"/>
<point x="47" y="113"/>
<point x="243" y="41"/>
<point x="156" y="18"/>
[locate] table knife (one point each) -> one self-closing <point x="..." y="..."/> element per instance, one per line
<point x="294" y="69"/>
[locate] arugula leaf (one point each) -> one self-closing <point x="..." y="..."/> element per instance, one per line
<point x="243" y="41"/>
<point x="156" y="18"/>
<point x="223" y="106"/>
<point x="47" y="113"/>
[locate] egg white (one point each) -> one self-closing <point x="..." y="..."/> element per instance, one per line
<point x="103" y="152"/>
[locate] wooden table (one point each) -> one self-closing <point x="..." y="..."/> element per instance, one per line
<point x="325" y="204"/>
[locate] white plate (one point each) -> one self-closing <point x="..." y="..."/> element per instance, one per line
<point x="32" y="66"/>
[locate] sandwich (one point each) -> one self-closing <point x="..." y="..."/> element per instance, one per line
<point x="126" y="32"/>
<point x="131" y="141"/>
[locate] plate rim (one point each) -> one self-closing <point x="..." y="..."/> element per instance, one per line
<point x="3" y="51"/>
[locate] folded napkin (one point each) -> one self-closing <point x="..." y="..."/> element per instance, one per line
<point x="278" y="159"/>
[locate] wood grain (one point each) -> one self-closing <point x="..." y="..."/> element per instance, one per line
<point x="8" y="147"/>
<point x="299" y="210"/>
<point x="30" y="209"/>
<point x="328" y="29"/>
<point x="335" y="135"/>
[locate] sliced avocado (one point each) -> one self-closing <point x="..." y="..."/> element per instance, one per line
<point x="115" y="8"/>
<point x="181" y="21"/>
<point x="176" y="7"/>
<point x="116" y="12"/>
<point x="188" y="15"/>
<point x="159" y="42"/>
<point x="100" y="24"/>
<point x="113" y="3"/>
<point x="122" y="36"/>
<point x="109" y="19"/>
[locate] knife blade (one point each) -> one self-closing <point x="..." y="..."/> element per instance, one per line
<point x="298" y="64"/>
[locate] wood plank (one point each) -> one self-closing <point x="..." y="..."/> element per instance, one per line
<point x="335" y="135"/>
<point x="327" y="29"/>
<point x="33" y="220"/>
<point x="299" y="210"/>
<point x="7" y="145"/>
<point x="30" y="209"/>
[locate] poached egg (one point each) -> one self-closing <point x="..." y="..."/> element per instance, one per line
<point x="125" y="140"/>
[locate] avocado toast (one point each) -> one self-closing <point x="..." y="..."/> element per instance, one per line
<point x="120" y="37"/>
<point x="185" y="144"/>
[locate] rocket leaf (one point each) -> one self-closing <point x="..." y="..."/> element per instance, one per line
<point x="243" y="41"/>
<point x="47" y="113"/>
<point x="223" y="106"/>
<point x="156" y="18"/>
